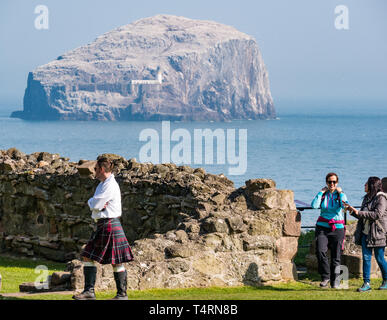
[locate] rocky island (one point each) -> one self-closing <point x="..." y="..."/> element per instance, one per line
<point x="159" y="68"/>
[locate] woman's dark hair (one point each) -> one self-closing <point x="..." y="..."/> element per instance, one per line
<point x="374" y="186"/>
<point x="331" y="174"/>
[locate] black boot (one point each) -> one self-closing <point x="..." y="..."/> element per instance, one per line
<point x="120" y="278"/>
<point x="88" y="293"/>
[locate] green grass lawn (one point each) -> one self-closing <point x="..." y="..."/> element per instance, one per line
<point x="15" y="271"/>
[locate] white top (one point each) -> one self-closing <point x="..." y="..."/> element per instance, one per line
<point x="107" y="191"/>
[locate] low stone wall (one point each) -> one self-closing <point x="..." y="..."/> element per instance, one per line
<point x="187" y="228"/>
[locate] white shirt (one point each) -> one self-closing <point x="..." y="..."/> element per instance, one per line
<point x="107" y="191"/>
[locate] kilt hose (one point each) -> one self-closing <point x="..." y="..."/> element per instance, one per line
<point x="108" y="244"/>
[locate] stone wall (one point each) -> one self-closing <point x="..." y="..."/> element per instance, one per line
<point x="187" y="228"/>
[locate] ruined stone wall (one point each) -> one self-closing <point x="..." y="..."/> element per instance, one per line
<point x="187" y="228"/>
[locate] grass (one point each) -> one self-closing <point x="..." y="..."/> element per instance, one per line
<point x="15" y="271"/>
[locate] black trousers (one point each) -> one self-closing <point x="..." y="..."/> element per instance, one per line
<point x="333" y="240"/>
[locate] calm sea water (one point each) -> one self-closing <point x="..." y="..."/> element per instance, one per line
<point x="296" y="151"/>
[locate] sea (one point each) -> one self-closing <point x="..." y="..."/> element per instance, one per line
<point x="296" y="150"/>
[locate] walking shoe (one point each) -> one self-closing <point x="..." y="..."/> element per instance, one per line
<point x="324" y="283"/>
<point x="120" y="297"/>
<point x="365" y="287"/>
<point x="88" y="293"/>
<point x="85" y="295"/>
<point x="121" y="284"/>
<point x="384" y="285"/>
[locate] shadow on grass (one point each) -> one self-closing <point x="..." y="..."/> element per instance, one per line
<point x="7" y="261"/>
<point x="252" y="280"/>
<point x="10" y="298"/>
<point x="311" y="276"/>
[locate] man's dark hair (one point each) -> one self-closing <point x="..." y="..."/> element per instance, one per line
<point x="105" y="163"/>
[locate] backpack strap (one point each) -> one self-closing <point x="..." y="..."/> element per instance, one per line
<point x="322" y="198"/>
<point x="337" y="199"/>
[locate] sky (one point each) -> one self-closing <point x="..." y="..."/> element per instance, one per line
<point x="308" y="59"/>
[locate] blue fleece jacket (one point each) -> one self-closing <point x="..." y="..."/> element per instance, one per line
<point x="330" y="208"/>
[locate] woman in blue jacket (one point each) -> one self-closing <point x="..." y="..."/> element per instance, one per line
<point x="330" y="230"/>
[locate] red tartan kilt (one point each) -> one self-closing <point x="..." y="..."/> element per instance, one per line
<point x="108" y="244"/>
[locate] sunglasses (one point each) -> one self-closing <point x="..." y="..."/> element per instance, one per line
<point x="330" y="182"/>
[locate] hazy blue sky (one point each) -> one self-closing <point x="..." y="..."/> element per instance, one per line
<point x="306" y="56"/>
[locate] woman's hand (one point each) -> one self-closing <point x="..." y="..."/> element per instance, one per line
<point x="325" y="189"/>
<point x="339" y="190"/>
<point x="350" y="208"/>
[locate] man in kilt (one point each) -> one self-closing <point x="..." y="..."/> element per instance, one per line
<point x="108" y="244"/>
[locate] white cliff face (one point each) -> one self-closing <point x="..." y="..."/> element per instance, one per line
<point x="159" y="68"/>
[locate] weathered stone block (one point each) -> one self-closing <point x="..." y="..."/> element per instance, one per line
<point x="16" y="154"/>
<point x="236" y="224"/>
<point x="58" y="278"/>
<point x="254" y="185"/>
<point x="218" y="198"/>
<point x="7" y="166"/>
<point x="263" y="226"/>
<point x="178" y="266"/>
<point x="208" y="264"/>
<point x="214" y="224"/>
<point x="42" y="164"/>
<point x="288" y="271"/>
<point x="33" y="288"/>
<point x="181" y="236"/>
<point x="179" y="251"/>
<point x="292" y="223"/>
<point x="274" y="199"/>
<point x="213" y="240"/>
<point x="258" y="242"/>
<point x="86" y="169"/>
<point x="286" y="248"/>
<point x="269" y="272"/>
